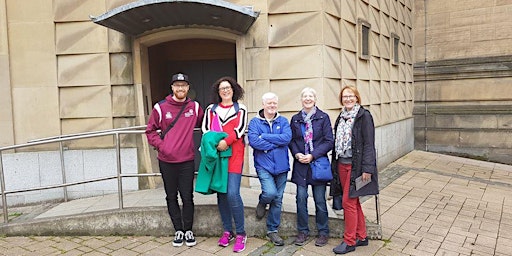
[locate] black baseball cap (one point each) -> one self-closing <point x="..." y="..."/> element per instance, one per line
<point x="179" y="77"/>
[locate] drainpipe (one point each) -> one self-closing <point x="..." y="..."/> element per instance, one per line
<point x="425" y="77"/>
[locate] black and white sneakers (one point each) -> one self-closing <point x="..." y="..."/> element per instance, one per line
<point x="188" y="237"/>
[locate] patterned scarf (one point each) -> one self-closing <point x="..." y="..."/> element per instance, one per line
<point x="344" y="130"/>
<point x="308" y="131"/>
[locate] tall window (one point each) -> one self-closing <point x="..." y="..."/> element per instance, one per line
<point x="396" y="46"/>
<point x="364" y="39"/>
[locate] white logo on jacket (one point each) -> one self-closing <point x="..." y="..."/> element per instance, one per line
<point x="168" y="115"/>
<point x="189" y="113"/>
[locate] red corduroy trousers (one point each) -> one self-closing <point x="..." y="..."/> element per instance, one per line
<point x="355" y="223"/>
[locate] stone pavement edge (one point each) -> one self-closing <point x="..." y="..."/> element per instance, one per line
<point x="431" y="204"/>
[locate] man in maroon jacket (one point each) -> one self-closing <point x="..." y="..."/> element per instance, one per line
<point x="170" y="130"/>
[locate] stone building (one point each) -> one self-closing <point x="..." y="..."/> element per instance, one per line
<point x="72" y="66"/>
<point x="463" y="78"/>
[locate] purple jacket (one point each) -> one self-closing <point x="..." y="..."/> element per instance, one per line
<point x="178" y="144"/>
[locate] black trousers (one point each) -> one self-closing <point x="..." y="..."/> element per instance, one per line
<point x="179" y="177"/>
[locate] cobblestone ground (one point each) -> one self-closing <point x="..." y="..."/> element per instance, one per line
<point x="431" y="204"/>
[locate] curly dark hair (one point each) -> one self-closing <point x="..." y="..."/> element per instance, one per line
<point x="238" y="91"/>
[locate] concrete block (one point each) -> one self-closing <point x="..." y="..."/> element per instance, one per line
<point x="128" y="140"/>
<point x="111" y="4"/>
<point x="257" y="63"/>
<point x="80" y="37"/>
<point x="442" y="137"/>
<point x="374" y="19"/>
<point x="375" y="68"/>
<point x="375" y="93"/>
<point x="289" y="29"/>
<point x="118" y="42"/>
<point x="85" y="69"/>
<point x="29" y="11"/>
<point x="294" y="6"/>
<point x="77" y="10"/>
<point x="363" y="9"/>
<point x="18" y="165"/>
<point x="258" y="34"/>
<point x="40" y="169"/>
<point x="485" y="139"/>
<point x="289" y="92"/>
<point x="79" y="125"/>
<point x="254" y="90"/>
<point x="85" y="102"/>
<point x="331" y="31"/>
<point x="465" y="121"/>
<point x="74" y="166"/>
<point x="385" y="90"/>
<point x="331" y="91"/>
<point x="376" y="111"/>
<point x="348" y="11"/>
<point x="24" y="53"/>
<point x="348" y="36"/>
<point x="121" y="68"/>
<point x="261" y="6"/>
<point x="46" y="114"/>
<point x="311" y="64"/>
<point x="385" y="71"/>
<point x="363" y="69"/>
<point x="333" y="7"/>
<point x="504" y="121"/>
<point x="332" y="62"/>
<point x="123" y="101"/>
<point x="348" y="64"/>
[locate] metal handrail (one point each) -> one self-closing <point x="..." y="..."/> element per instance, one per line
<point x="65" y="184"/>
<point x="88" y="133"/>
<point x="69" y="137"/>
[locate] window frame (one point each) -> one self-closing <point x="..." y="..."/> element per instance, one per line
<point x="364" y="33"/>
<point x="395" y="49"/>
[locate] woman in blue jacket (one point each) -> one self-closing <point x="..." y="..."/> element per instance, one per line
<point x="312" y="138"/>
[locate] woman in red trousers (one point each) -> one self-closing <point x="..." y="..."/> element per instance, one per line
<point x="354" y="157"/>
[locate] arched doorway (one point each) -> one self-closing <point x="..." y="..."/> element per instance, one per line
<point x="203" y="60"/>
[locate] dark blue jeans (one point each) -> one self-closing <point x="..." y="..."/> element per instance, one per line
<point x="179" y="177"/>
<point x="322" y="216"/>
<point x="272" y="189"/>
<point x="231" y="206"/>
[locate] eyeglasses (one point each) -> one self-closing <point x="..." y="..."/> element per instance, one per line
<point x="348" y="97"/>
<point x="180" y="85"/>
<point x="226" y="89"/>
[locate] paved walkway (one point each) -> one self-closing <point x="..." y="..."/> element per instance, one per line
<point x="431" y="204"/>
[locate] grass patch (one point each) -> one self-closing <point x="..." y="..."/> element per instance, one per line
<point x="386" y="241"/>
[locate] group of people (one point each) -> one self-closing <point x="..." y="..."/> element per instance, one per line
<point x="308" y="136"/>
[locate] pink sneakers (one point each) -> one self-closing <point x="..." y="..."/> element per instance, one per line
<point x="225" y="239"/>
<point x="240" y="243"/>
<point x="228" y="237"/>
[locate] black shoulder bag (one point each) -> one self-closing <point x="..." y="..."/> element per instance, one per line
<point x="162" y="135"/>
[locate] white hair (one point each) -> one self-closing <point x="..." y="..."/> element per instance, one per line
<point x="308" y="89"/>
<point x="269" y="96"/>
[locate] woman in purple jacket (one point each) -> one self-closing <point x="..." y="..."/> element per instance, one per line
<point x="311" y="138"/>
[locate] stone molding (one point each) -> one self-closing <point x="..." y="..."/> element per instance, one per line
<point x="467" y="68"/>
